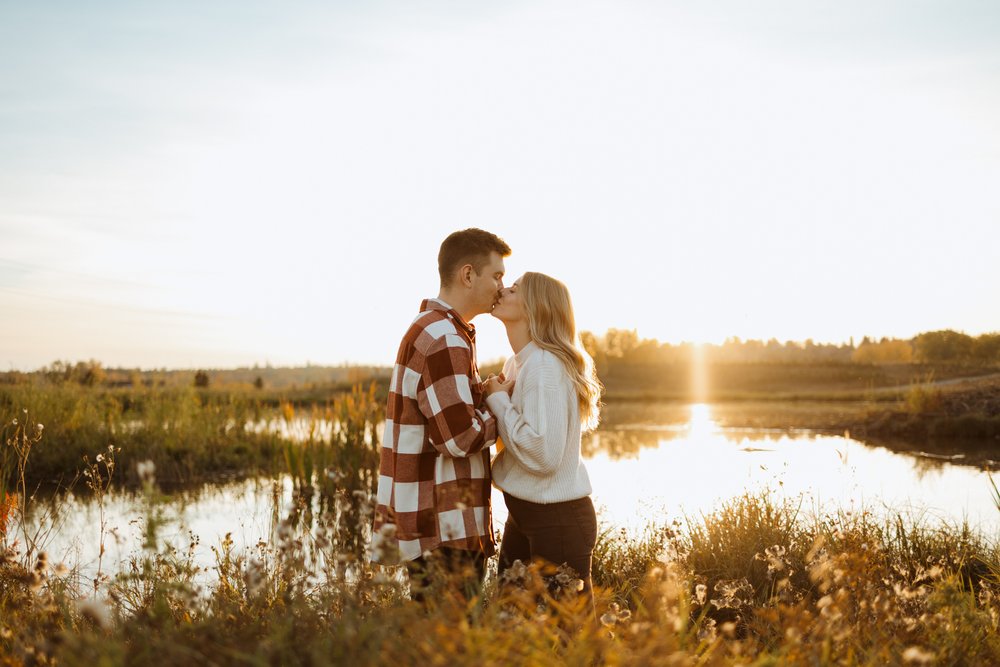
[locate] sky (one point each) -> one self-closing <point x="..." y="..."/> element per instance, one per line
<point x="205" y="184"/>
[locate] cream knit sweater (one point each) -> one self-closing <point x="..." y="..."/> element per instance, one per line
<point x="540" y="427"/>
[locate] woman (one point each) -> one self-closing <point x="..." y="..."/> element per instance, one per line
<point x="546" y="397"/>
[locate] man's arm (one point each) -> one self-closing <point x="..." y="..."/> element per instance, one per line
<point x="455" y="425"/>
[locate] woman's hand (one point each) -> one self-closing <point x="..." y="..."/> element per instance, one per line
<point x="494" y="384"/>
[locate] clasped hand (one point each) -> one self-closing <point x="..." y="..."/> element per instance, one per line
<point x="494" y="384"/>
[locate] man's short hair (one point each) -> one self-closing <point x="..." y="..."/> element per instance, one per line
<point x="469" y="246"/>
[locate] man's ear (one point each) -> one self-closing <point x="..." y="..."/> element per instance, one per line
<point x="465" y="275"/>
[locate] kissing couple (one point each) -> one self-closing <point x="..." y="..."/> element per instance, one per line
<point x="442" y="419"/>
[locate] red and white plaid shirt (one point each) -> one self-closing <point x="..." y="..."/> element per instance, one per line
<point x="434" y="472"/>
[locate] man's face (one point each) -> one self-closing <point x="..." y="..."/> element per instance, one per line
<point x="487" y="284"/>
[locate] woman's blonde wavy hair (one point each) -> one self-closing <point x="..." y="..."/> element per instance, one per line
<point x="552" y="327"/>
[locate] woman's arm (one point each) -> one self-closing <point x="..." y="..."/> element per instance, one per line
<point x="536" y="435"/>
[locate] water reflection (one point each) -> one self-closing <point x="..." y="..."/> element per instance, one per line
<point x="647" y="463"/>
<point x="640" y="471"/>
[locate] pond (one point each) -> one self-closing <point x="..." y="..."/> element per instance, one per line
<point x="648" y="463"/>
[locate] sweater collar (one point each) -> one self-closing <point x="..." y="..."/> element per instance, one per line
<point x="525" y="353"/>
<point x="439" y="305"/>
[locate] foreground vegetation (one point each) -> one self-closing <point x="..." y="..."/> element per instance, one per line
<point x="756" y="582"/>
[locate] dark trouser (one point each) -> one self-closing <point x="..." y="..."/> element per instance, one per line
<point x="459" y="569"/>
<point x="559" y="533"/>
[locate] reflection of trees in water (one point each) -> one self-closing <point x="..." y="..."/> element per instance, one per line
<point x="773" y="436"/>
<point x="625" y="443"/>
<point x="924" y="466"/>
<point x="935" y="456"/>
<point x="658" y="413"/>
<point x="620" y="443"/>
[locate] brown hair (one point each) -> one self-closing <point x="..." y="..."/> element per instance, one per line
<point x="469" y="246"/>
<point x="552" y="326"/>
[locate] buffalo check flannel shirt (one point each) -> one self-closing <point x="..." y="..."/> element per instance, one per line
<point x="434" y="471"/>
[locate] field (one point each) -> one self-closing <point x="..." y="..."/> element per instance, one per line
<point x="756" y="582"/>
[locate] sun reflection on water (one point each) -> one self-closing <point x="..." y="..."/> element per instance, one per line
<point x="700" y="423"/>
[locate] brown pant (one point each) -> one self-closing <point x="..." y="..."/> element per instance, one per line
<point x="447" y="566"/>
<point x="560" y="533"/>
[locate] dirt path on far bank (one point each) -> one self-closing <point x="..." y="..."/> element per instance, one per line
<point x="951" y="382"/>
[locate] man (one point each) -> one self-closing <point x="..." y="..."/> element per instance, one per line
<point x="434" y="474"/>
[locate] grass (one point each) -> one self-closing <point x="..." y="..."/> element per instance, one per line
<point x="190" y="435"/>
<point x="759" y="581"/>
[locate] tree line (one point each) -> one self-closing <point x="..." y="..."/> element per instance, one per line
<point x="615" y="346"/>
<point x="944" y="346"/>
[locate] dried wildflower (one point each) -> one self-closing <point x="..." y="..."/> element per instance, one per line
<point x="565" y="581"/>
<point x="96" y="612"/>
<point x="42" y="562"/>
<point x="147" y="471"/>
<point x="733" y="594"/>
<point x="516" y="574"/>
<point x="615" y="614"/>
<point x="640" y="628"/>
<point x="907" y="593"/>
<point x="917" y="656"/>
<point x="707" y="632"/>
<point x="700" y="593"/>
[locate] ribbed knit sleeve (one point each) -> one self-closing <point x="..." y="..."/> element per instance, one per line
<point x="535" y="435"/>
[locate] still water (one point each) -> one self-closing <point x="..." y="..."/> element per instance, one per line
<point x="647" y="464"/>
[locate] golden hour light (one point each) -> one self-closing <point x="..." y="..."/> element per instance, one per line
<point x="540" y="333"/>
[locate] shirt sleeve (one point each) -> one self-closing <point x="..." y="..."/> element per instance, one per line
<point x="455" y="425"/>
<point x="534" y="435"/>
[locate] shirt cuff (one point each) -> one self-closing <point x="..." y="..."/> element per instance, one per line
<point x="498" y="403"/>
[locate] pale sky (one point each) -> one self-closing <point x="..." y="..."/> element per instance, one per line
<point x="217" y="184"/>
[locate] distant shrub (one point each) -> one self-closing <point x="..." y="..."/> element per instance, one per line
<point x="922" y="399"/>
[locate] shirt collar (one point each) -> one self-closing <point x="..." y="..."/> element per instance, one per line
<point x="438" y="304"/>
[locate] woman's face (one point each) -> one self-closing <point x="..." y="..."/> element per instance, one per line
<point x="510" y="307"/>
